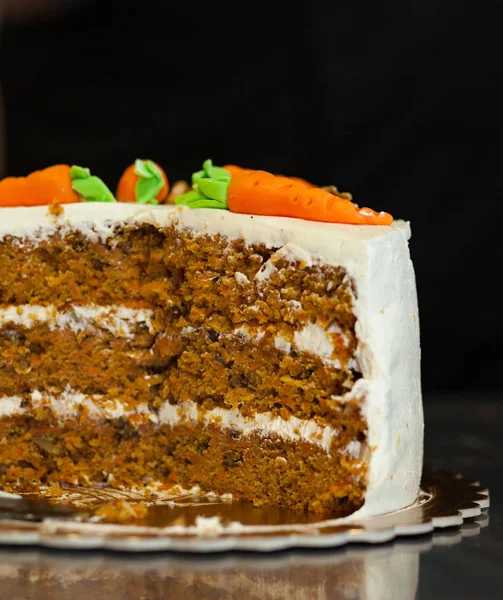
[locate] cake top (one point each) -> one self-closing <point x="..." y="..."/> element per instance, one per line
<point x="232" y="188"/>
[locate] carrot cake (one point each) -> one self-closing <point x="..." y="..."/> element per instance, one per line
<point x="255" y="335"/>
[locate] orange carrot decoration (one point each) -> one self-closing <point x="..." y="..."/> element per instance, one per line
<point x="234" y="169"/>
<point x="39" y="188"/>
<point x="61" y="183"/>
<point x="261" y="193"/>
<point x="143" y="182"/>
<point x="253" y="192"/>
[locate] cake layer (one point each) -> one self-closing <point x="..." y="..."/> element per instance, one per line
<point x="329" y="343"/>
<point x="91" y="361"/>
<point x="239" y="370"/>
<point x="342" y="419"/>
<point x="263" y="459"/>
<point x="75" y="405"/>
<point x="204" y="280"/>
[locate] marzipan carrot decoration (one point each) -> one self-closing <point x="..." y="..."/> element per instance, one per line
<point x="235" y="170"/>
<point x="61" y="184"/>
<point x="261" y="193"/>
<point x="39" y="188"/>
<point x="253" y="192"/>
<point x="143" y="182"/>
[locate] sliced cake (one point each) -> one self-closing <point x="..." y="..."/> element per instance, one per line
<point x="267" y="356"/>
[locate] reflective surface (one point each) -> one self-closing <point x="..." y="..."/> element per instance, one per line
<point x="461" y="562"/>
<point x="187" y="523"/>
<point x="384" y="571"/>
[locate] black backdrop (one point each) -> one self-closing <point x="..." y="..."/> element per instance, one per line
<point x="398" y="104"/>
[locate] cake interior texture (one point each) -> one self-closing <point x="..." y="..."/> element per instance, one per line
<point x="165" y="355"/>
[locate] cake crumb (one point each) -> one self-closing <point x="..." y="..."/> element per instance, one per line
<point x="121" y="511"/>
<point x="180" y="521"/>
<point x="55" y="209"/>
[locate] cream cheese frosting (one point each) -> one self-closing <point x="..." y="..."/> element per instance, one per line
<point x="116" y="319"/>
<point x="66" y="405"/>
<point x="377" y="260"/>
<point x="119" y="320"/>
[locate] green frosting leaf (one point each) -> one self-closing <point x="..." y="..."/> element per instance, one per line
<point x="90" y="187"/>
<point x="150" y="181"/>
<point x="210" y="187"/>
<point x="214" y="188"/>
<point x="79" y="172"/>
<point x="195" y="199"/>
<point x="189" y="197"/>
<point x="208" y="203"/>
<point x="209" y="171"/>
<point x="141" y="168"/>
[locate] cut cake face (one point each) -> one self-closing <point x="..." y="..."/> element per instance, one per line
<point x="256" y="337"/>
<point x="269" y="358"/>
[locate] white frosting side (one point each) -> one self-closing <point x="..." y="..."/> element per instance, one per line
<point x="389" y="356"/>
<point x="378" y="262"/>
<point x="116" y="319"/>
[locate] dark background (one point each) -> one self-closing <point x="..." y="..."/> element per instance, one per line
<point x="398" y="103"/>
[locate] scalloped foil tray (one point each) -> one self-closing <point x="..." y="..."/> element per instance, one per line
<point x="188" y="523"/>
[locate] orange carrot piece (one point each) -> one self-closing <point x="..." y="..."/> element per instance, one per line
<point x="13" y="191"/>
<point x="53" y="184"/>
<point x="262" y="193"/>
<point x="234" y="169"/>
<point x="126" y="188"/>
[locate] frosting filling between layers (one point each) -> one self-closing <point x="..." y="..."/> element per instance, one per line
<point x="67" y="405"/>
<point x="116" y="319"/>
<point x="312" y="338"/>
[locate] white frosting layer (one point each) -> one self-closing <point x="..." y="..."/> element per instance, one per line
<point x="315" y="339"/>
<point x="96" y="220"/>
<point x="312" y="338"/>
<point x="10" y="405"/>
<point x="264" y="424"/>
<point x="377" y="260"/>
<point x="116" y="319"/>
<point x="307" y="241"/>
<point x="67" y="405"/>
